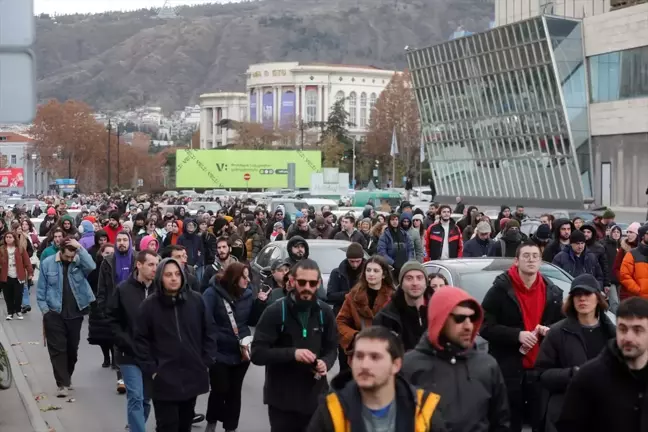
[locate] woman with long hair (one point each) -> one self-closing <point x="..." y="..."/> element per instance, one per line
<point x="230" y="300"/>
<point x="573" y="341"/>
<point x="376" y="231"/>
<point x="96" y="318"/>
<point x="361" y="305"/>
<point x="15" y="270"/>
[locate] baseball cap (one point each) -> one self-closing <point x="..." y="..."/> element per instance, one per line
<point x="585" y="282"/>
<point x="279" y="263"/>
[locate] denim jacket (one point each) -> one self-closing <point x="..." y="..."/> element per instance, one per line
<point x="49" y="291"/>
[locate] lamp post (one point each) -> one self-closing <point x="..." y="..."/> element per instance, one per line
<point x="118" y="132"/>
<point x="109" y="128"/>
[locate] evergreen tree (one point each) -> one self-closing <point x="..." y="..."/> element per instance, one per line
<point x="338" y="123"/>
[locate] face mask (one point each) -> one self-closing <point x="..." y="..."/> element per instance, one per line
<point x="513" y="236"/>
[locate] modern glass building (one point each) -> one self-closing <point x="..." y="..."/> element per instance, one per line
<point x="504" y="113"/>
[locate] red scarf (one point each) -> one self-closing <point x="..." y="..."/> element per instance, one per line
<point x="532" y="303"/>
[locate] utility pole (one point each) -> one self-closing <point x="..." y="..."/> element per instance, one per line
<point x="353" y="171"/>
<point x="70" y="165"/>
<point x="109" y="167"/>
<point x="118" y="132"/>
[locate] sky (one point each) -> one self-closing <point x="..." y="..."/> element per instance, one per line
<point x="61" y="7"/>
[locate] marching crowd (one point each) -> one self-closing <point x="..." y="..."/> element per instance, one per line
<point x="171" y="300"/>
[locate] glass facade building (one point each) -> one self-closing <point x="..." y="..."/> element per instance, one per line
<point x="619" y="75"/>
<point x="504" y="112"/>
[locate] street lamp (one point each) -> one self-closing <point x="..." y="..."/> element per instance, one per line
<point x="109" y="128"/>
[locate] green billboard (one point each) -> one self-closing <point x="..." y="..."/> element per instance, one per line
<point x="217" y="169"/>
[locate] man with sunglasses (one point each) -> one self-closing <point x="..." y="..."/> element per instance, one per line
<point x="296" y="340"/>
<point x="470" y="383"/>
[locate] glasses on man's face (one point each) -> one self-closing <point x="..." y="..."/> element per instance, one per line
<point x="461" y="318"/>
<point x="530" y="256"/>
<point x="311" y="283"/>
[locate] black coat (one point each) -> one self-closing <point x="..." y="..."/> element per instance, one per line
<point x="475" y="247"/>
<point x="403" y="320"/>
<point x="561" y="351"/>
<point x="472" y="390"/>
<point x="339" y="286"/>
<point x="503" y="324"/>
<point x="576" y="266"/>
<point x="605" y="396"/>
<point x="611" y="249"/>
<point x="289" y="385"/>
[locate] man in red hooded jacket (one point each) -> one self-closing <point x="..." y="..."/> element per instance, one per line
<point x="471" y="386"/>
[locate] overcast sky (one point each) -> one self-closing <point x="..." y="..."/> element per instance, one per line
<point x="94" y="6"/>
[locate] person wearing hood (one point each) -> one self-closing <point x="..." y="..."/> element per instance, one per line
<point x="278" y="216"/>
<point x="469" y="382"/>
<point x="406" y="224"/>
<point x="562" y="232"/>
<point x="254" y="240"/>
<point x="628" y="243"/>
<point x="542" y="237"/>
<point x="114" y="270"/>
<point x="519" y="214"/>
<point x="572" y="342"/>
<point x="374" y="396"/>
<point x="100" y="238"/>
<point x="321" y="229"/>
<point x="612" y="245"/>
<point x="468" y="218"/>
<point x="361" y="305"/>
<point x="192" y="242"/>
<point x="50" y="220"/>
<point x="122" y="313"/>
<point x="509" y="242"/>
<point x="87" y="239"/>
<point x="178" y="365"/>
<point x="479" y="245"/>
<point x="518" y="310"/>
<point x="349" y="232"/>
<point x="443" y="238"/>
<point x="634" y="268"/>
<point x="406" y="315"/>
<point x="114" y="226"/>
<point x="230" y="301"/>
<point x="67" y="224"/>
<point x="395" y="245"/>
<point x="179" y="253"/>
<point x="505" y="213"/>
<point x="597" y="248"/>
<point x="468" y="231"/>
<point x="149" y="243"/>
<point x="578" y="259"/>
<point x="296" y="340"/>
<point x="298" y="250"/>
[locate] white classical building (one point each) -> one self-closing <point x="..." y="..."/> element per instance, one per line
<point x="284" y="94"/>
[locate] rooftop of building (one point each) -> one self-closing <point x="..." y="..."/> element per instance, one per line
<point x="12" y="137"/>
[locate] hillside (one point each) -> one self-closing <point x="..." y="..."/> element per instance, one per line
<point x="118" y="60"/>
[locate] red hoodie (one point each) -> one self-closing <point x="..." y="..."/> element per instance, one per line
<point x="444" y="300"/>
<point x="112" y="232"/>
<point x="532" y="303"/>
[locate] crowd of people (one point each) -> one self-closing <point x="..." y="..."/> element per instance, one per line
<point x="172" y="301"/>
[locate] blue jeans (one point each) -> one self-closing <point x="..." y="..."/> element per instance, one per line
<point x="25" y="296"/>
<point x="137" y="407"/>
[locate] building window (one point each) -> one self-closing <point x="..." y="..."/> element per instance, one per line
<point x="372" y="101"/>
<point x="353" y="101"/>
<point x="619" y="75"/>
<point x="363" y="110"/>
<point x="311" y="105"/>
<point x="13" y="160"/>
<point x="339" y="96"/>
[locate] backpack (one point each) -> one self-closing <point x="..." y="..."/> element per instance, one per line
<point x="283" y="314"/>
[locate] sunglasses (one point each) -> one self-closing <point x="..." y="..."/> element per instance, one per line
<point x="311" y="283"/>
<point x="460" y="318"/>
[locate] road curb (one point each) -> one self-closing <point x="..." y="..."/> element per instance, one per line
<point x="33" y="411"/>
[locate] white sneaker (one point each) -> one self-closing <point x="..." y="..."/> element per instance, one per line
<point x="121" y="387"/>
<point x="19" y="316"/>
<point x="61" y="392"/>
<point x="9" y="317"/>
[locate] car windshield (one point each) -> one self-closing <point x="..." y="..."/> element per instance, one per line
<point x="291" y="207"/>
<point x="327" y="257"/>
<point x="479" y="282"/>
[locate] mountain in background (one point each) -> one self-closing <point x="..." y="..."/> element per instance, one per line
<point x="121" y="60"/>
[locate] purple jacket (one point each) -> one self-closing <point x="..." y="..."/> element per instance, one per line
<point x="87" y="240"/>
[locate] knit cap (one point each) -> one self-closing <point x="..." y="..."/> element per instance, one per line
<point x="634" y="227"/>
<point x="577" y="237"/>
<point x="483" y="227"/>
<point x="355" y="251"/>
<point x="410" y="266"/>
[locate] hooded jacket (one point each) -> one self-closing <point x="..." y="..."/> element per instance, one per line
<point x="597" y="248"/>
<point x="356" y="314"/>
<point x="396" y="252"/>
<point x="416" y="409"/>
<point x="324" y="234"/>
<point x="253" y="241"/>
<point x="112" y="232"/>
<point x="175" y="339"/>
<point x="634" y="271"/>
<point x="470" y="383"/>
<point x="144" y="242"/>
<point x="87" y="239"/>
<point x="555" y="247"/>
<point x="285" y="221"/>
<point x="193" y="243"/>
<point x="414" y="234"/>
<point x="292" y="258"/>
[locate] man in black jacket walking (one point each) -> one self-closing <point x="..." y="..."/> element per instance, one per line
<point x="296" y="339"/>
<point x="175" y="345"/>
<point x="123" y="307"/>
<point x="609" y="392"/>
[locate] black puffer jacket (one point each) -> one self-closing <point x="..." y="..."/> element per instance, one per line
<point x="555" y="247"/>
<point x="339" y="285"/>
<point x="561" y="351"/>
<point x="404" y="320"/>
<point x="597" y="248"/>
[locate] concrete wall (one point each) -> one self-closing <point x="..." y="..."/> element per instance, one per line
<point x="617" y="30"/>
<point x="627" y="116"/>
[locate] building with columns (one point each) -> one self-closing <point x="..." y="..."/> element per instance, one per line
<point x="215" y="107"/>
<point x="281" y="95"/>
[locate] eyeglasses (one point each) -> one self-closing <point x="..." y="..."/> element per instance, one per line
<point x="530" y="257"/>
<point x="304" y="282"/>
<point x="461" y="318"/>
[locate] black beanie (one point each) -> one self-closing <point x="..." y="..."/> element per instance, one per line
<point x="355" y="251"/>
<point x="577" y="237"/>
<point x="219" y="223"/>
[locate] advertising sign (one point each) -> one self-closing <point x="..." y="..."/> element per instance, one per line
<point x="268" y="109"/>
<point x="12" y="178"/>
<point x="287" y="108"/>
<point x="253" y="106"/>
<point x="330" y="182"/>
<point x="219" y="169"/>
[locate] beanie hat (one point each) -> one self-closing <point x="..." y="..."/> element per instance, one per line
<point x="410" y="266"/>
<point x="543" y="232"/>
<point x="577" y="237"/>
<point x="51" y="211"/>
<point x="483" y="227"/>
<point x="114" y="215"/>
<point x="277" y="225"/>
<point x="354" y="251"/>
<point x="634" y="227"/>
<point x="128" y="224"/>
<point x="512" y="223"/>
<point x="642" y="231"/>
<point x="418" y="216"/>
<point x="608" y="214"/>
<point x="218" y="225"/>
<point x="326" y="214"/>
<point x="503" y="222"/>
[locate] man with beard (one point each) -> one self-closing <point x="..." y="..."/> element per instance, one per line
<point x="322" y="229"/>
<point x="115" y="269"/>
<point x="468" y="218"/>
<point x="114" y="226"/>
<point x="296" y="339"/>
<point x="298" y="251"/>
<point x="509" y="242"/>
<point x="469" y="382"/>
<point x="67" y="224"/>
<point x="444" y="237"/>
<point x="223" y="259"/>
<point x="562" y="231"/>
<point x="375" y="397"/>
<point x="608" y="392"/>
<point x="596" y="248"/>
<point x="342" y="279"/>
<point x="406" y="314"/>
<point x="277" y="217"/>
